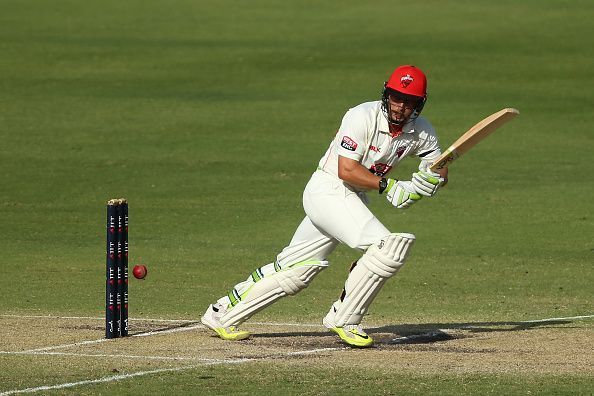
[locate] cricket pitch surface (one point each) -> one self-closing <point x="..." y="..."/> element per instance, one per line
<point x="40" y="353"/>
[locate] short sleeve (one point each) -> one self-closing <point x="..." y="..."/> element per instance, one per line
<point x="352" y="135"/>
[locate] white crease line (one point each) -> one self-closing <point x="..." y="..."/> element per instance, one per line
<point x="149" y="357"/>
<point x="145" y="334"/>
<point x="286" y="324"/>
<point x="175" y="330"/>
<point x="199" y="326"/>
<point x="181" y="321"/>
<point x="121" y="377"/>
<point x="312" y="351"/>
<point x="49" y="348"/>
<point x="235" y="361"/>
<point x="94" y="318"/>
<point x="512" y="323"/>
<point x="150" y="320"/>
<point x="169" y="370"/>
<point x="400" y="340"/>
<point x="104" y="355"/>
<point x="100" y="340"/>
<point x="553" y="319"/>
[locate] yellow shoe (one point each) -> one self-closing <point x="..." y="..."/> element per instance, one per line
<point x="211" y="319"/>
<point x="353" y="335"/>
<point x="231" y="333"/>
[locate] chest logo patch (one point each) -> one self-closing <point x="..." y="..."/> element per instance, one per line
<point x="348" y="143"/>
<point x="380" y="169"/>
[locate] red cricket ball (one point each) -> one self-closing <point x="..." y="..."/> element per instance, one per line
<point x="139" y="271"/>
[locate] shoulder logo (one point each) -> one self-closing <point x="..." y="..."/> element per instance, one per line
<point x="348" y="143"/>
<point x="406" y="80"/>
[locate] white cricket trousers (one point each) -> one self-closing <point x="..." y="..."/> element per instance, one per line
<point x="334" y="214"/>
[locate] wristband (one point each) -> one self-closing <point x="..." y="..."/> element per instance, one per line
<point x="383" y="184"/>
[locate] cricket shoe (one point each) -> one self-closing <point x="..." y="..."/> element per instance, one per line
<point x="353" y="335"/>
<point x="212" y="320"/>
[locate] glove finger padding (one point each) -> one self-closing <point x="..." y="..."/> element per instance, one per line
<point x="426" y="183"/>
<point x="401" y="194"/>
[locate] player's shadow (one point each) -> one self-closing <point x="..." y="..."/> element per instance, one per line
<point x="473" y="327"/>
<point x="427" y="332"/>
<point x="151" y="328"/>
<point x="433" y="332"/>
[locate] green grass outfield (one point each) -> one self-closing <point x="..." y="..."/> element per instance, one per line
<point x="209" y="117"/>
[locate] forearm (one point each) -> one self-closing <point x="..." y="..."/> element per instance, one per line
<point x="355" y="174"/>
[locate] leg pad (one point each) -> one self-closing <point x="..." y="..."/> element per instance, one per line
<point x="266" y="289"/>
<point x="378" y="263"/>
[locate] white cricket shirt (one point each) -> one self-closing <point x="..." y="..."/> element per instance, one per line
<point x="364" y="136"/>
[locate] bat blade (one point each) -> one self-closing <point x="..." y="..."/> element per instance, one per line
<point x="473" y="136"/>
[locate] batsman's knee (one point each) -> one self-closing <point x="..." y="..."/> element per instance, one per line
<point x="380" y="262"/>
<point x="387" y="256"/>
<point x="263" y="288"/>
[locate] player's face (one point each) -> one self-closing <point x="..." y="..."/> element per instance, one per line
<point x="401" y="107"/>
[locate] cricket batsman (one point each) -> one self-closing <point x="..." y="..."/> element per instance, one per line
<point x="372" y="140"/>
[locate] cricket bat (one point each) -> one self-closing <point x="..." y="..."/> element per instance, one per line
<point x="473" y="136"/>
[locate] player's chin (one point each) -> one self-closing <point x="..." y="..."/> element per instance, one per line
<point x="398" y="120"/>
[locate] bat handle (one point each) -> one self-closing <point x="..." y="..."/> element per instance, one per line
<point x="448" y="156"/>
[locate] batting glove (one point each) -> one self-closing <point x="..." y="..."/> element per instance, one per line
<point x="401" y="194"/>
<point x="426" y="182"/>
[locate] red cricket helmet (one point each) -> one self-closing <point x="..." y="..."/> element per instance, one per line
<point x="409" y="81"/>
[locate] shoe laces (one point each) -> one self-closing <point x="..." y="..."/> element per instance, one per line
<point x="355" y="329"/>
<point x="232" y="329"/>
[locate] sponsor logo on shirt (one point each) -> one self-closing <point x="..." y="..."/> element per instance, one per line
<point x="373" y="148"/>
<point x="400" y="151"/>
<point x="348" y="143"/>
